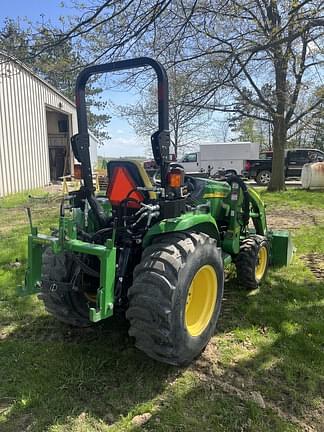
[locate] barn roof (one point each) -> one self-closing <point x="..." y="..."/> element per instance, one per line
<point x="9" y="58"/>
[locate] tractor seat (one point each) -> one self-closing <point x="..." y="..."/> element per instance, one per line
<point x="123" y="179"/>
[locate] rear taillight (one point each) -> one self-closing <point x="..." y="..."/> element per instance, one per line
<point x="176" y="177"/>
<point x="247" y="165"/>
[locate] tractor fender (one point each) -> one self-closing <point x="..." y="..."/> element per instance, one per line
<point x="201" y="222"/>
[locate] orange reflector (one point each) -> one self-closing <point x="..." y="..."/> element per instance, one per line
<point x="122" y="187"/>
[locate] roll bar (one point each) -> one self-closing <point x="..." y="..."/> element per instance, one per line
<point x="160" y="139"/>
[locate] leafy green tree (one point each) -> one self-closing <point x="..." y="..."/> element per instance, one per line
<point x="188" y="124"/>
<point x="249" y="129"/>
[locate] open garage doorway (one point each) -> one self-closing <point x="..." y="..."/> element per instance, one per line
<point x="58" y="134"/>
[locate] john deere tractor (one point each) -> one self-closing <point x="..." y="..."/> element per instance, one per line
<point x="153" y="250"/>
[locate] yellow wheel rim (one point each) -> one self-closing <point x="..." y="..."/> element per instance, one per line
<point x="262" y="261"/>
<point x="201" y="300"/>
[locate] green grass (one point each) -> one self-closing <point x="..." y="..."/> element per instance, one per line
<point x="293" y="198"/>
<point x="269" y="341"/>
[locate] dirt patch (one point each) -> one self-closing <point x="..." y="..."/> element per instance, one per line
<point x="282" y="218"/>
<point x="315" y="262"/>
<point x="218" y="383"/>
<point x="240" y="384"/>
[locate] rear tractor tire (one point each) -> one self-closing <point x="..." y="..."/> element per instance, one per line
<point x="175" y="299"/>
<point x="65" y="304"/>
<point x="252" y="261"/>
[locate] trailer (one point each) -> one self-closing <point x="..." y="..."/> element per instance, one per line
<point x="214" y="157"/>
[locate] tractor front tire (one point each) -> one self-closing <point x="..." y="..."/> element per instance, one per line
<point x="65" y="304"/>
<point x="176" y="296"/>
<point x="252" y="261"/>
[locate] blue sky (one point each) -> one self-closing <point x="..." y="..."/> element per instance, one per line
<point x="124" y="141"/>
<point x="32" y="9"/>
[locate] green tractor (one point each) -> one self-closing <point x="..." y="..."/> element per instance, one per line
<point x="155" y="250"/>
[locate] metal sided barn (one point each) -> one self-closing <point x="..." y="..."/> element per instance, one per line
<point x="36" y="124"/>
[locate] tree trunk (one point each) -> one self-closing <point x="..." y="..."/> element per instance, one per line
<point x="279" y="138"/>
<point x="279" y="135"/>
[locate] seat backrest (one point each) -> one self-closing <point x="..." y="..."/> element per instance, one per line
<point x="123" y="178"/>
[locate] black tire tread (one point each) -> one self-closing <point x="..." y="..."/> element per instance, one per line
<point x="245" y="261"/>
<point x="149" y="310"/>
<point x="64" y="306"/>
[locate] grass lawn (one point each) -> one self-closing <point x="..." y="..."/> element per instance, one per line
<point x="262" y="371"/>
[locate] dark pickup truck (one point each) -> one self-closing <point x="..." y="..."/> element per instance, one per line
<point x="260" y="169"/>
